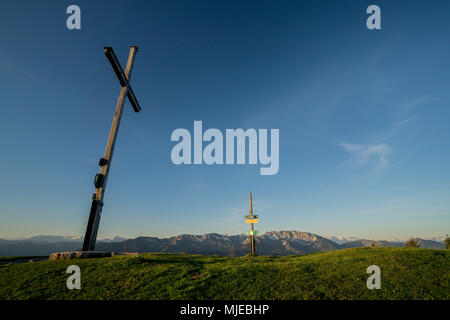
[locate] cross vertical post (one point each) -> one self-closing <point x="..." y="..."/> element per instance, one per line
<point x="105" y="162"/>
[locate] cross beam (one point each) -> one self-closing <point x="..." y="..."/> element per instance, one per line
<point x="100" y="179"/>
<point x="123" y="79"/>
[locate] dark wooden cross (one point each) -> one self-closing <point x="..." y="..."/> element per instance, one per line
<point x="105" y="162"/>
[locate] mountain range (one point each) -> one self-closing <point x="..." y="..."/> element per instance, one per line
<point x="271" y="243"/>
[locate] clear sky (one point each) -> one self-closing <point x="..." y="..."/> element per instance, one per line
<point x="363" y="116"/>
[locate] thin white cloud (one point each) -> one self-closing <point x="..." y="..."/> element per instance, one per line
<point x="394" y="129"/>
<point x="234" y="216"/>
<point x="364" y="154"/>
<point x="408" y="106"/>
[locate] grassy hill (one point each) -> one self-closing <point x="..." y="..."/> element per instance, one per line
<point x="406" y="273"/>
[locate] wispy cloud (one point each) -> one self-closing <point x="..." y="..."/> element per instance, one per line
<point x="378" y="151"/>
<point x="232" y="218"/>
<point x="410" y="105"/>
<point x="368" y="153"/>
<point x="394" y="129"/>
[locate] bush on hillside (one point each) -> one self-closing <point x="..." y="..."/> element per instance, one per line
<point x="412" y="243"/>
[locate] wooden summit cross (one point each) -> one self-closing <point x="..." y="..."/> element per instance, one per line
<point x="105" y="162"/>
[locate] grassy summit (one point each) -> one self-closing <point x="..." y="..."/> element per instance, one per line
<point x="406" y="273"/>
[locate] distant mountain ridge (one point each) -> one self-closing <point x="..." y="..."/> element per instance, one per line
<point x="55" y="239"/>
<point x="271" y="243"/>
<point x="341" y="240"/>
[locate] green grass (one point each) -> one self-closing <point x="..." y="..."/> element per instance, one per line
<point x="406" y="273"/>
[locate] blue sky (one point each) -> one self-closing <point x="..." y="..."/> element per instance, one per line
<point x="363" y="116"/>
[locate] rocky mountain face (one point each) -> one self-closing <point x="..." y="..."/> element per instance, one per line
<point x="270" y="243"/>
